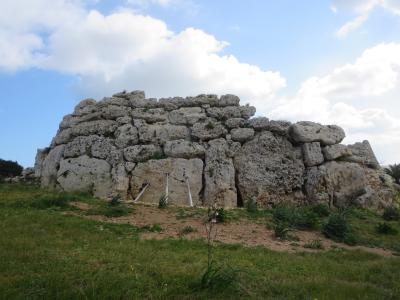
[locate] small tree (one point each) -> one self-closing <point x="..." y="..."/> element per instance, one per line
<point x="10" y="168"/>
<point x="394" y="171"/>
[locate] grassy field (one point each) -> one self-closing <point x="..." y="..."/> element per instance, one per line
<point x="47" y="253"/>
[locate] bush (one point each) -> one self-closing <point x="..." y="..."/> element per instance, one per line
<point x="296" y="217"/>
<point x="251" y="205"/>
<point x="10" y="168"/>
<point x="187" y="230"/>
<point x="315" y="244"/>
<point x="336" y="228"/>
<point x="385" y="228"/>
<point x="391" y="213"/>
<point x="281" y="231"/>
<point x="163" y="201"/>
<point x="394" y="171"/>
<point x="116" y="200"/>
<point x="220" y="215"/>
<point x="321" y="210"/>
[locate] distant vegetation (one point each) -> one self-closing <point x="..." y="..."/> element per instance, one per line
<point x="9" y="168"/>
<point x="394" y="171"/>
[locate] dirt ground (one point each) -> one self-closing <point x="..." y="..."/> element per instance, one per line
<point x="242" y="231"/>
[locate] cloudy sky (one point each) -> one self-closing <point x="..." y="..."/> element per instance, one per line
<point x="330" y="61"/>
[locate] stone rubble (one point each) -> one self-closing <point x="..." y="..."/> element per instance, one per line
<point x="213" y="146"/>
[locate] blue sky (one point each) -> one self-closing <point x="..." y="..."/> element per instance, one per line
<point x="327" y="61"/>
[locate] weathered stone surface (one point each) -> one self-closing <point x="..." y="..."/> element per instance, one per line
<point x="228" y="100"/>
<point x="160" y="133"/>
<point x="139" y="153"/>
<point x="335" y="183"/>
<point x="242" y="134"/>
<point x="228" y="157"/>
<point x="126" y="135"/>
<point x="50" y="166"/>
<point x="219" y="175"/>
<point x="224" y="113"/>
<point x="312" y="154"/>
<point x="81" y="145"/>
<point x="85" y="106"/>
<point x="39" y="159"/>
<point x="112" y="112"/>
<point x="102" y="148"/>
<point x="100" y="127"/>
<point x="151" y="115"/>
<point x="85" y="174"/>
<point x="208" y="130"/>
<point x="129" y="166"/>
<point x="279" y="127"/>
<point x="62" y="137"/>
<point x="307" y="132"/>
<point x="336" y="151"/>
<point x="259" y="123"/>
<point x="183" y="149"/>
<point x="153" y="172"/>
<point x="362" y="153"/>
<point x="247" y="111"/>
<point x="269" y="169"/>
<point x="235" y="123"/>
<point x="120" y="180"/>
<point x="187" y="115"/>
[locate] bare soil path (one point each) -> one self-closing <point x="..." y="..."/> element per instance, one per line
<point x="242" y="231"/>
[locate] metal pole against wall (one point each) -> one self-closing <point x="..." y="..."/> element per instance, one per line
<point x="166" y="188"/>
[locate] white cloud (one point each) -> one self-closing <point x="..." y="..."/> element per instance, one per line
<point x="362" y="97"/>
<point x="126" y="50"/>
<point x="362" y="8"/>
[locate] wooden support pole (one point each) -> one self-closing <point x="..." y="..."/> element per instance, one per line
<point x="141" y="193"/>
<point x="166" y="189"/>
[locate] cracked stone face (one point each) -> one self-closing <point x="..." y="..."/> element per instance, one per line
<point x="210" y="146"/>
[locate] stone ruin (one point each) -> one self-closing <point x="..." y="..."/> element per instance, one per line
<point x="128" y="145"/>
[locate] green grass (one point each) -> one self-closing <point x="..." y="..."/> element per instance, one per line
<point x="47" y="254"/>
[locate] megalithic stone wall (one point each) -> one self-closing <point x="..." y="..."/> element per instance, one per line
<point x="123" y="143"/>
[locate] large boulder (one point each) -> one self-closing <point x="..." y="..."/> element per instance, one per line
<point x="140" y="153"/>
<point x="161" y="133"/>
<point x="219" y="175"/>
<point x="335" y="183"/>
<point x="269" y="169"/>
<point x="86" y="174"/>
<point x="154" y="173"/>
<point x="362" y="153"/>
<point x="242" y="134"/>
<point x="50" y="166"/>
<point x="312" y="154"/>
<point x="334" y="152"/>
<point x="307" y="132"/>
<point x="183" y="149"/>
<point x="208" y="130"/>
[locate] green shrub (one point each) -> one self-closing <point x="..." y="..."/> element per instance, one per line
<point x="337" y="227"/>
<point x="210" y="125"/>
<point x="386" y="228"/>
<point x="296" y="217"/>
<point x="220" y="215"/>
<point x="322" y="210"/>
<point x="391" y="213"/>
<point x="394" y="171"/>
<point x="314" y="244"/>
<point x="10" y="168"/>
<point x="116" y="200"/>
<point x="116" y="211"/>
<point x="251" y="205"/>
<point x="187" y="230"/>
<point x="305" y="219"/>
<point x="281" y="231"/>
<point x="163" y="201"/>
